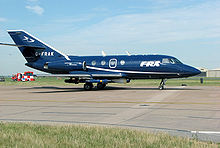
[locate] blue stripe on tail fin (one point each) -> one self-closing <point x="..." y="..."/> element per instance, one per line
<point x="34" y="49"/>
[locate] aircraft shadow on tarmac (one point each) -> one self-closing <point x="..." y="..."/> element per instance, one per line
<point x="54" y="89"/>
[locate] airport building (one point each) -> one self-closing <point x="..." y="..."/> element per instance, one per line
<point x="213" y="73"/>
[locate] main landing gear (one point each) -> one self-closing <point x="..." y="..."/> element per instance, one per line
<point x="162" y="84"/>
<point x="101" y="85"/>
<point x="89" y="86"/>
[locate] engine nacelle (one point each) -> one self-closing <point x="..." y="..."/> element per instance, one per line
<point x="65" y="66"/>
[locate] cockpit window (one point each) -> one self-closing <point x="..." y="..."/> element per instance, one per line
<point x="177" y="61"/>
<point x="170" y="61"/>
<point x="165" y="61"/>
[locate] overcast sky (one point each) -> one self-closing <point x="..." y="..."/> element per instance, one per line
<point x="186" y="29"/>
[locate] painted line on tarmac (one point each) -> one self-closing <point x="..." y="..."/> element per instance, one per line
<point x="127" y="102"/>
<point x="205" y="132"/>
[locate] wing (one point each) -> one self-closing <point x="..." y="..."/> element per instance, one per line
<point x="88" y="75"/>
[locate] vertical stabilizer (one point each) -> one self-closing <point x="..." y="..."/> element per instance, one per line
<point x="33" y="48"/>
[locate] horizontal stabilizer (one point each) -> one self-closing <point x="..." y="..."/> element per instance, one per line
<point x="37" y="47"/>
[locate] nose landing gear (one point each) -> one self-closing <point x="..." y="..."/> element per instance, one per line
<point x="162" y="84"/>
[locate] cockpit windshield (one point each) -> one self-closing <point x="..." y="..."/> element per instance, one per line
<point x="170" y="61"/>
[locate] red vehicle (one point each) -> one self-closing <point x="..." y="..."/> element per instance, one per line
<point x="26" y="76"/>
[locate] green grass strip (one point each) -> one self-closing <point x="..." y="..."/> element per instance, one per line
<point x="37" y="135"/>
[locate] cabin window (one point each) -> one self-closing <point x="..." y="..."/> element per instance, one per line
<point x="103" y="62"/>
<point x="122" y="62"/>
<point x="93" y="63"/>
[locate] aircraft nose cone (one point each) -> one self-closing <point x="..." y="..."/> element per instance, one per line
<point x="187" y="71"/>
<point x="195" y="71"/>
<point x="191" y="71"/>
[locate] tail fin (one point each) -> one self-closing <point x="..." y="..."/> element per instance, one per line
<point x="33" y="49"/>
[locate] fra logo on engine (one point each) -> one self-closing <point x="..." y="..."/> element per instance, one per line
<point x="150" y="64"/>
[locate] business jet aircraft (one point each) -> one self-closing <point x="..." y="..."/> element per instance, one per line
<point x="97" y="69"/>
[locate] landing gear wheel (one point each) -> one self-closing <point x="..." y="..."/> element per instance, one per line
<point x="101" y="85"/>
<point x="161" y="87"/>
<point x="162" y="84"/>
<point x="88" y="86"/>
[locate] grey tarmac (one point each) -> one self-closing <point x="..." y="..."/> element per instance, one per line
<point x="182" y="111"/>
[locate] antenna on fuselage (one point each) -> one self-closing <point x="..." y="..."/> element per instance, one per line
<point x="128" y="53"/>
<point x="103" y="53"/>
